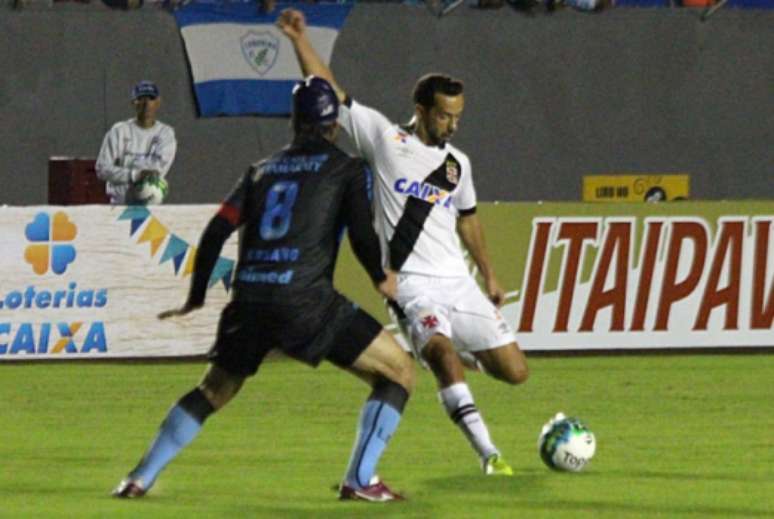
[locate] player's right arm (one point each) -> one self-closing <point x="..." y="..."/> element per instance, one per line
<point x="363" y="124"/>
<point x="293" y="24"/>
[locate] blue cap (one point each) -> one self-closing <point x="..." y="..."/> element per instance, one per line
<point x="315" y="101"/>
<point x="145" y="89"/>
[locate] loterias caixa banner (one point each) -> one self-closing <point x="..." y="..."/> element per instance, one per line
<point x="88" y="281"/>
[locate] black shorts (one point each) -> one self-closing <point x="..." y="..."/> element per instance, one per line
<point x="338" y="331"/>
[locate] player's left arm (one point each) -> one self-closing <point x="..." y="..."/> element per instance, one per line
<point x="472" y="233"/>
<point x="362" y="236"/>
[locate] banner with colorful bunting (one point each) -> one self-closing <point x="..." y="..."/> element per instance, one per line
<point x="88" y="281"/>
<point x="155" y="233"/>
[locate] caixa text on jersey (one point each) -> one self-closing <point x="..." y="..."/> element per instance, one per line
<point x="427" y="192"/>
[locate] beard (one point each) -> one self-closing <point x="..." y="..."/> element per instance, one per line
<point x="436" y="138"/>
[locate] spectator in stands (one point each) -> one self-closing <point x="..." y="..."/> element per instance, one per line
<point x="138" y="149"/>
<point x="268" y="6"/>
<point x="123" y="4"/>
<point x="550" y="5"/>
<point x="580" y="5"/>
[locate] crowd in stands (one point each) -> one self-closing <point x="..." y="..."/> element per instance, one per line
<point x="112" y="4"/>
<point x="438" y="7"/>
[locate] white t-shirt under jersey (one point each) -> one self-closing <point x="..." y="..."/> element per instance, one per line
<point x="419" y="189"/>
<point x="128" y="149"/>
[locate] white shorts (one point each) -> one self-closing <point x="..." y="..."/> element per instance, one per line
<point x="453" y="307"/>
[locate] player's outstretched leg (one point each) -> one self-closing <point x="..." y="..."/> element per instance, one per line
<point x="392" y="374"/>
<point x="457" y="399"/>
<point x="179" y="428"/>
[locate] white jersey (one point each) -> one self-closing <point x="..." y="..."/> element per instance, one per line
<point x="420" y="191"/>
<point x="128" y="149"/>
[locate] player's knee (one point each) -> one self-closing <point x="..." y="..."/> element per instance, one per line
<point x="440" y="353"/>
<point x="396" y="365"/>
<point x="219" y="390"/>
<point x="444" y="362"/>
<point x="405" y="374"/>
<point x="507" y="364"/>
<point x="213" y="396"/>
<point x="515" y="373"/>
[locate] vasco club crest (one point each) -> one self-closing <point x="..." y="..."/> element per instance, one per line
<point x="452" y="171"/>
<point x="260" y="50"/>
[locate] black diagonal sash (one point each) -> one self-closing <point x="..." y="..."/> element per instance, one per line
<point x="416" y="211"/>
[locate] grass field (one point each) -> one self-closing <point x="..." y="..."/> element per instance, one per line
<point x="677" y="436"/>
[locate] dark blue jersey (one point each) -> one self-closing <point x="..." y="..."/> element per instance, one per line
<point x="292" y="208"/>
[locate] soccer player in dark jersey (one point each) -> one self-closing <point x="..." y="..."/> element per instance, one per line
<point x="292" y="208"/>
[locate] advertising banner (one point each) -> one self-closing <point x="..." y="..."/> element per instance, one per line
<point x="635" y="188"/>
<point x="627" y="276"/>
<point x="88" y="281"/>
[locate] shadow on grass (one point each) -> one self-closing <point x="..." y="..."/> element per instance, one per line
<point x="410" y="508"/>
<point x="641" y="510"/>
<point x="689" y="476"/>
<point x="526" y="491"/>
<point x="467" y="484"/>
<point x="300" y="508"/>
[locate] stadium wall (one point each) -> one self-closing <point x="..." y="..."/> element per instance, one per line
<point x="550" y="97"/>
<point x="86" y="282"/>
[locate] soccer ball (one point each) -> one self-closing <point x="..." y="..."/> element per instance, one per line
<point x="151" y="191"/>
<point x="566" y="444"/>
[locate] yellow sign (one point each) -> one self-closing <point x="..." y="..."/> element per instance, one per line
<point x="635" y="188"/>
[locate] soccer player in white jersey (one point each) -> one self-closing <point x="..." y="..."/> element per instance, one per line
<point x="425" y="201"/>
<point x="136" y="149"/>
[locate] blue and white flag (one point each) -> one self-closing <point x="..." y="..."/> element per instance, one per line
<point x="241" y="62"/>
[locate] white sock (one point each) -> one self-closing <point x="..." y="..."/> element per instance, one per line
<point x="458" y="401"/>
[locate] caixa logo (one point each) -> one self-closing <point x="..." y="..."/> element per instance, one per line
<point x="52" y="338"/>
<point x="49" y="243"/>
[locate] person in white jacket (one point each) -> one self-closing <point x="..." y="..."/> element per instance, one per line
<point x="138" y="149"/>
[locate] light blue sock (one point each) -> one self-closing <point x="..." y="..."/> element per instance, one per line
<point x="378" y="421"/>
<point x="178" y="430"/>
